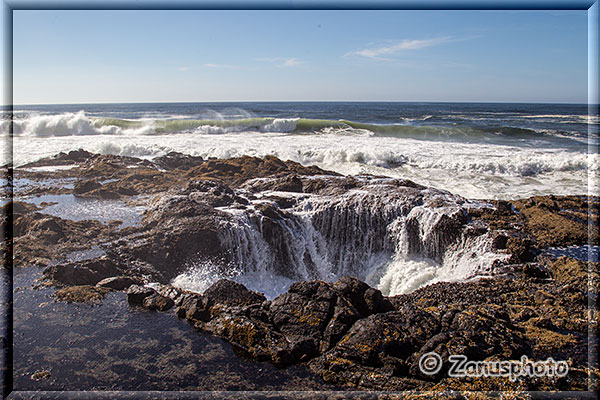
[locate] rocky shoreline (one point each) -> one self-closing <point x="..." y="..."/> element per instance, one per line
<point x="516" y="299"/>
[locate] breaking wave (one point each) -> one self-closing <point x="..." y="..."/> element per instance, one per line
<point x="78" y="123"/>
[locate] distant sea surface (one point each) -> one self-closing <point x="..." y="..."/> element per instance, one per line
<point x="487" y="150"/>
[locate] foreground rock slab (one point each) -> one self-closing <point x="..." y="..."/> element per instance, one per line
<point x="381" y="349"/>
<point x="351" y="335"/>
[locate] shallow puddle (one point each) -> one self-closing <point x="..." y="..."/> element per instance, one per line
<point x="581" y="253"/>
<point x="78" y="208"/>
<point x="114" y="346"/>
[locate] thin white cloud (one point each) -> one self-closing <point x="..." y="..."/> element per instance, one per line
<point x="282" y="61"/>
<point x="377" y="52"/>
<point x="183" y="69"/>
<point x="222" y="66"/>
<point x="292" y="62"/>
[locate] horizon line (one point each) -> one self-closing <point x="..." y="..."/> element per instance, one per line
<point x="302" y="101"/>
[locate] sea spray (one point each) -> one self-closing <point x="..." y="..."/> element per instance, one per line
<point x="397" y="239"/>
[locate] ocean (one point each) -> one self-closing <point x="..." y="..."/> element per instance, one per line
<point x="476" y="150"/>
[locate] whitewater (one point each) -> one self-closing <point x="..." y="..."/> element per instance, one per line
<point x="477" y="155"/>
<point x="379" y="233"/>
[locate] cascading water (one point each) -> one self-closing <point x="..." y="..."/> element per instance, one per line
<point x="395" y="238"/>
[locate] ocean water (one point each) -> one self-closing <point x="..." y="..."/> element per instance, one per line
<point x="491" y="150"/>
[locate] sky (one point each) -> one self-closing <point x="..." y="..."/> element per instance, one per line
<point x="195" y="56"/>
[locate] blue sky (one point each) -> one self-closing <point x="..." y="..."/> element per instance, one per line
<point x="144" y="56"/>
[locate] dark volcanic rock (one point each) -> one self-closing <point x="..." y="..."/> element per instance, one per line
<point x="39" y="238"/>
<point x="75" y="155"/>
<point x="445" y="232"/>
<point x="392" y="344"/>
<point x="88" y="272"/>
<point x="380" y="346"/>
<point x="72" y="157"/>
<point x="291" y="183"/>
<point x="137" y="294"/>
<point x="230" y="293"/>
<point x="80" y="294"/>
<point x="304" y="313"/>
<point x="157" y="302"/>
<point x="193" y="307"/>
<point x="213" y="193"/>
<point x="544" y="221"/>
<point x="382" y="341"/>
<point x="236" y="171"/>
<point x="119" y="282"/>
<point x="20" y="208"/>
<point x="285" y="183"/>
<point x="178" y="234"/>
<point x="296" y="326"/>
<point x="175" y="160"/>
<point x="85" y="186"/>
<point x="254" y="335"/>
<point x="214" y="211"/>
<point x="47" y="228"/>
<point x="364" y="298"/>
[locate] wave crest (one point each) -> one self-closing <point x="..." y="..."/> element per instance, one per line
<point x="78" y="123"/>
<point x="72" y="124"/>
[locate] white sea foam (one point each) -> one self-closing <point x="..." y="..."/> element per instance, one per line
<point x="376" y="234"/>
<point x="555" y="118"/>
<point x="403" y="275"/>
<point x="472" y="170"/>
<point x="495" y="168"/>
<point x="51" y="168"/>
<point x="468" y="259"/>
<point x="584" y="119"/>
<point x="57" y="125"/>
<point x="69" y="124"/>
<point x="281" y="125"/>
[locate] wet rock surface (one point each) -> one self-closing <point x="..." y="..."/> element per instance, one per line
<point x="380" y="346"/>
<point x="349" y="333"/>
<point x="108" y="345"/>
<point x="39" y="238"/>
<point x="80" y="294"/>
<point x="118" y="282"/>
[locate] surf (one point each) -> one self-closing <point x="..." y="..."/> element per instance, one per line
<point x="79" y="123"/>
